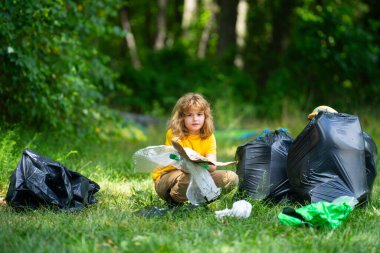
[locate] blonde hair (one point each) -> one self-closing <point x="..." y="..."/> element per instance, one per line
<point x="183" y="105"/>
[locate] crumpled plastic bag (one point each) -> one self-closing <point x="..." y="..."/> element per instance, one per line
<point x="39" y="181"/>
<point x="319" y="214"/>
<point x="153" y="157"/>
<point x="240" y="209"/>
<point x="201" y="188"/>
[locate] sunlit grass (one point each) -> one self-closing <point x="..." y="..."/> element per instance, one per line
<point x="112" y="225"/>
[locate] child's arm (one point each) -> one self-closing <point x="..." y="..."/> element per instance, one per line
<point x="212" y="158"/>
<point x="211" y="152"/>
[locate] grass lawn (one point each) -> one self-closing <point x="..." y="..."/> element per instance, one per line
<point x="111" y="225"/>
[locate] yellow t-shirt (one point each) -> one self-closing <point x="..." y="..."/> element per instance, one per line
<point x="202" y="146"/>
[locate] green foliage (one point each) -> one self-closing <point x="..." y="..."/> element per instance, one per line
<point x="64" y="62"/>
<point x="318" y="54"/>
<point x="329" y="56"/>
<point x="51" y="75"/>
<point x="8" y="156"/>
<point x="183" y="73"/>
<point x="334" y="57"/>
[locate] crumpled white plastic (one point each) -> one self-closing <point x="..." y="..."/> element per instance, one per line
<point x="240" y="209"/>
<point x="202" y="187"/>
<point x="147" y="159"/>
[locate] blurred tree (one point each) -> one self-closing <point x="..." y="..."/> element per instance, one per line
<point x="211" y="9"/>
<point x="190" y="8"/>
<point x="227" y="30"/>
<point x="161" y="24"/>
<point x="280" y="24"/>
<point x="241" y="32"/>
<point x="130" y="39"/>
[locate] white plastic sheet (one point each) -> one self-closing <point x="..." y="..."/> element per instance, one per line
<point x="153" y="157"/>
<point x="201" y="188"/>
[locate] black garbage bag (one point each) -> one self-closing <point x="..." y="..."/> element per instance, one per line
<point x="38" y="181"/>
<point x="370" y="159"/>
<point x="327" y="159"/>
<point x="262" y="166"/>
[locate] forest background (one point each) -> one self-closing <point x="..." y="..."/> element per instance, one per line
<point x="68" y="65"/>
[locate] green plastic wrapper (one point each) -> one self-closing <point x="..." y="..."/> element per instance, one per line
<point x="320" y="214"/>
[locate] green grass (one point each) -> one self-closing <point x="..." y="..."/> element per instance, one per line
<point x="111" y="225"/>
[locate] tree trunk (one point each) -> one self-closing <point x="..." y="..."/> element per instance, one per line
<point x="227" y="29"/>
<point x="281" y="13"/>
<point x="189" y="11"/>
<point x="130" y="39"/>
<point x="150" y="27"/>
<point x="241" y="31"/>
<point x="175" y="20"/>
<point x="280" y="24"/>
<point x="161" y="24"/>
<point x="211" y="7"/>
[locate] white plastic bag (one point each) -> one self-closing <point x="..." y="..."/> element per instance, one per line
<point x="240" y="209"/>
<point x="201" y="188"/>
<point x="154" y="157"/>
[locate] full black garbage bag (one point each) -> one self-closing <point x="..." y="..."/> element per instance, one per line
<point x="370" y="159"/>
<point x="327" y="159"/>
<point x="38" y="181"/>
<point x="262" y="166"/>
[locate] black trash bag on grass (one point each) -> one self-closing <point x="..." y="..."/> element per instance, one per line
<point x="38" y="181"/>
<point x="370" y="159"/>
<point x="327" y="159"/>
<point x="262" y="166"/>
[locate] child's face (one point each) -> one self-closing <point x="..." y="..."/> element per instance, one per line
<point x="194" y="120"/>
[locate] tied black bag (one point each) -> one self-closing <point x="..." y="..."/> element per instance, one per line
<point x="370" y="149"/>
<point x="38" y="181"/>
<point x="262" y="166"/>
<point x="327" y="159"/>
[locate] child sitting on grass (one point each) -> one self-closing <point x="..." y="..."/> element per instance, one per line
<point x="191" y="125"/>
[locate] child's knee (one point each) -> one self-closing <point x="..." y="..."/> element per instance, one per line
<point x="232" y="180"/>
<point x="179" y="197"/>
<point x="225" y="179"/>
<point x="178" y="191"/>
